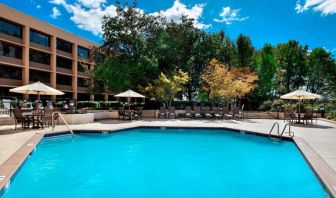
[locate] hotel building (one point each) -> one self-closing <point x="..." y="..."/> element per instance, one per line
<point x="32" y="50"/>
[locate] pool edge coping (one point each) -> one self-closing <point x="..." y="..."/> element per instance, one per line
<point x="321" y="168"/>
<point x="325" y="174"/>
<point x="11" y="166"/>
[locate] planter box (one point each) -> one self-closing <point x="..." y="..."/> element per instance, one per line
<point x="105" y="115"/>
<point x="78" y="118"/>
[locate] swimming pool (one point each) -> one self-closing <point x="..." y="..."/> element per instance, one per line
<point x="147" y="162"/>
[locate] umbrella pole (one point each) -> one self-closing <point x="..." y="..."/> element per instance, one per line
<point x="129" y="105"/>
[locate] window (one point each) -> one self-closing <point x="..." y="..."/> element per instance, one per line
<point x="39" y="57"/>
<point x="10" y="50"/>
<point x="64" y="46"/>
<point x="82" y="82"/>
<point x="83" y="52"/>
<point x="39" y="38"/>
<point x="10" y="29"/>
<point x="10" y="72"/>
<point x="64" y="63"/>
<point x="35" y="76"/>
<point x="99" y="58"/>
<point x="63" y="79"/>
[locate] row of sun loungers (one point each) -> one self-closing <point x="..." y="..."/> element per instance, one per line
<point x="206" y="112"/>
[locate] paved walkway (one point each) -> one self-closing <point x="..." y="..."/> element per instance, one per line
<point x="321" y="136"/>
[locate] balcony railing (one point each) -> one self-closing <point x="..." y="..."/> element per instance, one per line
<point x="6" y="82"/>
<point x="11" y="60"/>
<point x="82" y="89"/>
<point x="39" y="66"/>
<point x="11" y="38"/>
<point x="64" y="70"/>
<point x="41" y="47"/>
<point x="63" y="53"/>
<point x="64" y="87"/>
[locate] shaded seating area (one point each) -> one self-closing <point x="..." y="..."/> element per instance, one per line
<point x="129" y="114"/>
<point x="38" y="118"/>
<point x="198" y="112"/>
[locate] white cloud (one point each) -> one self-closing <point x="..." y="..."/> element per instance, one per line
<point x="38" y="6"/>
<point x="326" y="7"/>
<point x="91" y="3"/>
<point x="55" y="13"/>
<point x="178" y="9"/>
<point x="87" y="14"/>
<point x="229" y="15"/>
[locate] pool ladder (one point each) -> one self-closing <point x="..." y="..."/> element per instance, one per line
<point x="61" y="116"/>
<point x="280" y="135"/>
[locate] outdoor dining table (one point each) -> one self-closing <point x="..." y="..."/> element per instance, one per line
<point x="36" y="118"/>
<point x="129" y="114"/>
<point x="299" y="116"/>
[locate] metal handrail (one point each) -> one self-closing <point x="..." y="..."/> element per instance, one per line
<point x="289" y="130"/>
<point x="277" y="124"/>
<point x="60" y="115"/>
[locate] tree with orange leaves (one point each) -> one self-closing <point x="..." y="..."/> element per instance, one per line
<point x="222" y="82"/>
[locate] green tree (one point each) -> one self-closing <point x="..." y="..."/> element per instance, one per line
<point x="321" y="71"/>
<point x="245" y="51"/>
<point x="114" y="75"/>
<point x="125" y="41"/>
<point x="265" y="65"/>
<point x="291" y="58"/>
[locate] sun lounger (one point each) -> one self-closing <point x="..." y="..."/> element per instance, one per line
<point x="197" y="112"/>
<point x="172" y="113"/>
<point x="217" y="113"/>
<point x="226" y="113"/>
<point x="188" y="113"/>
<point x="162" y="112"/>
<point x="207" y="112"/>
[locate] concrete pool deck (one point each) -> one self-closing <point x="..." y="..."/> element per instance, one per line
<point x="316" y="141"/>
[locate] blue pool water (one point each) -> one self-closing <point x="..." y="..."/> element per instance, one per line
<point x="166" y="163"/>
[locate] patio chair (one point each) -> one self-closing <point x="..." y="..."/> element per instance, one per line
<point x="239" y="114"/>
<point x="138" y="113"/>
<point x="188" y="113"/>
<point x="289" y="115"/>
<point x="198" y="113"/>
<point x="226" y="113"/>
<point x="315" y="116"/>
<point x="47" y="118"/>
<point x="172" y="113"/>
<point x="207" y="112"/>
<point x="217" y="113"/>
<point x="121" y="113"/>
<point x="308" y="116"/>
<point x="19" y="118"/>
<point x="162" y="112"/>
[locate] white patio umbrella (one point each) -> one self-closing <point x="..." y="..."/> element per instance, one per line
<point x="37" y="89"/>
<point x="129" y="94"/>
<point x="300" y="95"/>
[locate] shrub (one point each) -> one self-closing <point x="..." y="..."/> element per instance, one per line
<point x="277" y="105"/>
<point x="332" y="115"/>
<point x="266" y="105"/>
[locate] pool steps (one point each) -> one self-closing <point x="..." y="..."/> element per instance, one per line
<point x="61" y="116"/>
<point x="280" y="135"/>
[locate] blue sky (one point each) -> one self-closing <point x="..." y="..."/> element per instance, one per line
<point x="312" y="22"/>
